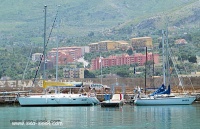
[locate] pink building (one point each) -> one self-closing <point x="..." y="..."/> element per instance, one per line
<point x="75" y="52"/>
<point x="123" y="60"/>
<point x="65" y="54"/>
<point x="63" y="57"/>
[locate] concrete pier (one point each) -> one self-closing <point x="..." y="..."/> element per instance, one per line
<point x="8" y="99"/>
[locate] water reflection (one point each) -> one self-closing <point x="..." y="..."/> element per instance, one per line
<point x="169" y="117"/>
<point x="140" y="117"/>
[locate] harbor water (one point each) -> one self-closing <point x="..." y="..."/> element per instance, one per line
<point x="96" y="117"/>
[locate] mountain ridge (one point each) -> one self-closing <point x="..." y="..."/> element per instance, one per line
<point x="79" y="18"/>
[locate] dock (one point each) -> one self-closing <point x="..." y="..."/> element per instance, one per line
<point x="8" y="99"/>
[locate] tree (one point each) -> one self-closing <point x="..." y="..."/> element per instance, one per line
<point x="123" y="73"/>
<point x="88" y="74"/>
<point x="130" y="51"/>
<point x="183" y="57"/>
<point x="192" y="59"/>
<point x="91" y="34"/>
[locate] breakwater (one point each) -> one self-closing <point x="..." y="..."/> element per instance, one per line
<point x="127" y="84"/>
<point x="118" y="85"/>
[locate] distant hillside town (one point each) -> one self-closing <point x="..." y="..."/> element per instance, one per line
<point x="123" y="60"/>
<point x="67" y="55"/>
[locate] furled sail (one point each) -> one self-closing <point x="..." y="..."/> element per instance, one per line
<point x="52" y="83"/>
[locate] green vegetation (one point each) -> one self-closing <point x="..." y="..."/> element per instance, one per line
<point x="13" y="63"/>
<point x="88" y="74"/>
<point x="84" y="22"/>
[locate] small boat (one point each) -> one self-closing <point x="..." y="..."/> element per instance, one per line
<point x="116" y="101"/>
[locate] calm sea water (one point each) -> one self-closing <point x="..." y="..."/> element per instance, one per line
<point x="95" y="117"/>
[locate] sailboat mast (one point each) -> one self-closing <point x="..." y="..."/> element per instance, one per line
<point x="101" y="67"/>
<point x="145" y="82"/>
<point x="153" y="69"/>
<point x="163" y="56"/>
<point x="167" y="59"/>
<point x="44" y="51"/>
<point x="57" y="45"/>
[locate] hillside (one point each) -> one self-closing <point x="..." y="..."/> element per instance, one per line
<point x="22" y="21"/>
<point x="83" y="22"/>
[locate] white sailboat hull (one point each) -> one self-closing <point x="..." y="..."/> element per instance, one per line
<point x="165" y="101"/>
<point x="58" y="100"/>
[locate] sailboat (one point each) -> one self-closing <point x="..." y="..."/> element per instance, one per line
<point x="57" y="98"/>
<point x="163" y="96"/>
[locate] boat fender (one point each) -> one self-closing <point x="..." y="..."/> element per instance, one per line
<point x="198" y="96"/>
<point x="18" y="95"/>
<point x="138" y="96"/>
<point x="92" y="94"/>
<point x="88" y="94"/>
